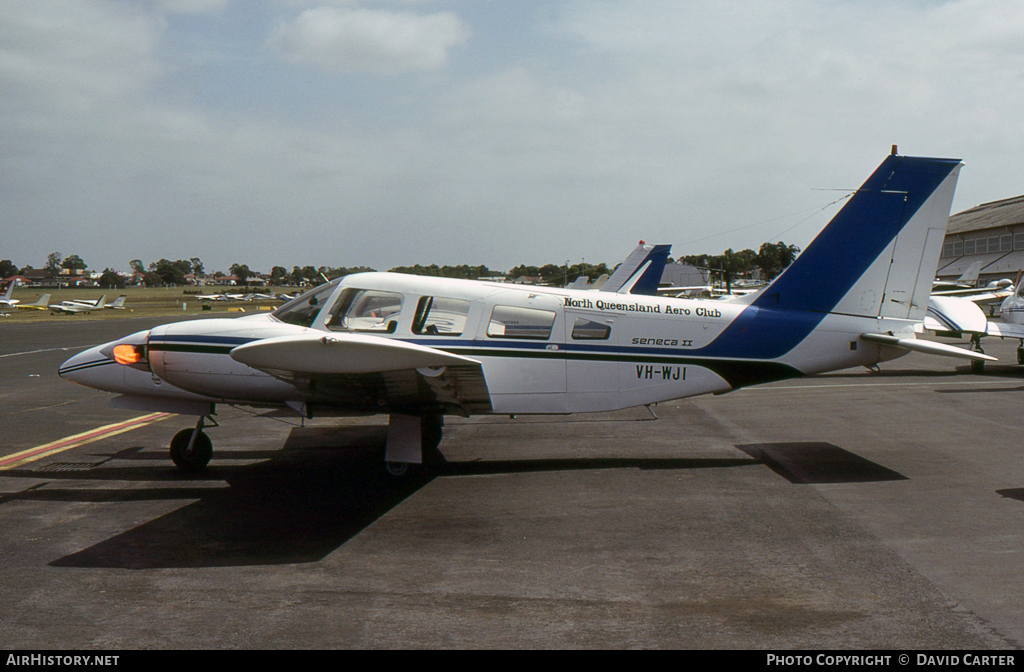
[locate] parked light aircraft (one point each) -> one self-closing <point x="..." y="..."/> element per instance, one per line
<point x="959" y="316"/>
<point x="419" y="348"/>
<point x="5" y="299"/>
<point x="956" y="315"/>
<point x="967" y="280"/>
<point x="42" y="303"/>
<point x="76" y="307"/>
<point x="118" y="303"/>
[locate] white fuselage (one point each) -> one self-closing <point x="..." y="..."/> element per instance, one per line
<point x="541" y="349"/>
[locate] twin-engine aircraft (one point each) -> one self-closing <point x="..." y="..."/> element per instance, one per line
<point x="76" y="307"/>
<point x="420" y="348"/>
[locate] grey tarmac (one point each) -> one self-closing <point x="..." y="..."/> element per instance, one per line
<point x="856" y="510"/>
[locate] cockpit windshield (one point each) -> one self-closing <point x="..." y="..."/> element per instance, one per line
<point x="302" y="311"/>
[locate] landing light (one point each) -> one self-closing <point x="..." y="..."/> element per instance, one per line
<point x="126" y="354"/>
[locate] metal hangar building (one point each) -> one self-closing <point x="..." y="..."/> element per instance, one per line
<point x="992" y="233"/>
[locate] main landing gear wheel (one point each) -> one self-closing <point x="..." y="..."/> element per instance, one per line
<point x="397" y="469"/>
<point x="431" y="431"/>
<point x="1020" y="355"/>
<point x="192" y="459"/>
<point x="977" y="365"/>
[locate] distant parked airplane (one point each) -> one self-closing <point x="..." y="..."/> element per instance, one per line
<point x="75" y="307"/>
<point x="5" y="299"/>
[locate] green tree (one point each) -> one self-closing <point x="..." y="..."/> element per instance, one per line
<point x="53" y="262"/>
<point x="773" y="258"/>
<point x="241" y="272"/>
<point x="7" y="268"/>
<point x="170" y="272"/>
<point x="111" y="280"/>
<point x="73" y="263"/>
<point x="196" y="266"/>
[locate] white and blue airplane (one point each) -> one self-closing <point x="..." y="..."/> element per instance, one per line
<point x="420" y="348"/>
<point x="5" y="299"/>
<point x="81" y="306"/>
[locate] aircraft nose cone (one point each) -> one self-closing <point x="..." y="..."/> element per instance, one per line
<point x="86" y="368"/>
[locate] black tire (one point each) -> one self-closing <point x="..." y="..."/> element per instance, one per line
<point x="431" y="432"/>
<point x="198" y="458"/>
<point x="1020" y="355"/>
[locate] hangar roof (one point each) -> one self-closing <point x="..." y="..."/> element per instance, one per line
<point x="1007" y="212"/>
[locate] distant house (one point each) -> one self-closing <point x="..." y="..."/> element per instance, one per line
<point x="38" y="276"/>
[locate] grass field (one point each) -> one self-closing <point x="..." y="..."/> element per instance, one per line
<point x="139" y="302"/>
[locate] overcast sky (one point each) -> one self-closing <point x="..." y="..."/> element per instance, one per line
<point x="497" y="132"/>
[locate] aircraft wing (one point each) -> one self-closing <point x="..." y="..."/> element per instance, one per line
<point x="1005" y="330"/>
<point x="359" y="370"/>
<point x="979" y="295"/>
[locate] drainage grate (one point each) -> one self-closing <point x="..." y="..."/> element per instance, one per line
<point x="68" y="466"/>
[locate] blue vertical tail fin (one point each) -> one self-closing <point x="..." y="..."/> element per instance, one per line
<point x="641" y="271"/>
<point x="878" y="255"/>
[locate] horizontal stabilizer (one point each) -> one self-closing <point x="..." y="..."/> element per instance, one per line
<point x="927" y="347"/>
<point x="341" y="354"/>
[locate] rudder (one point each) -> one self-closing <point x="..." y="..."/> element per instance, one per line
<point x="878" y="255"/>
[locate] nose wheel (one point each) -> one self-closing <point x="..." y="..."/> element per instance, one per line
<point x="191" y="449"/>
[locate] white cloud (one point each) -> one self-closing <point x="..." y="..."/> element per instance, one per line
<point x="74" y="53"/>
<point x="364" y="40"/>
<point x="660" y="120"/>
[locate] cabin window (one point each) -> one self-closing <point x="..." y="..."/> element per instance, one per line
<point x="588" y="330"/>
<point x="438" y="316"/>
<point x="366" y="310"/>
<point x="302" y="310"/>
<point x="515" y="322"/>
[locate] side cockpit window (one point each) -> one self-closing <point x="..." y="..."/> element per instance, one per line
<point x="302" y="310"/>
<point x="438" y="316"/>
<point x="524" y="323"/>
<point x="370" y="310"/>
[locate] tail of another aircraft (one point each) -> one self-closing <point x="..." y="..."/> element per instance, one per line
<point x="878" y="255"/>
<point x="969" y="277"/>
<point x="102" y="302"/>
<point x="8" y="290"/>
<point x="641" y="272"/>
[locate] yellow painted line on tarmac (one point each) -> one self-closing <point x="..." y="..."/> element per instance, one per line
<point x="69" y="442"/>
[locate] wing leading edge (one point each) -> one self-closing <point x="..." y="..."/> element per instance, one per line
<point x="371" y="373"/>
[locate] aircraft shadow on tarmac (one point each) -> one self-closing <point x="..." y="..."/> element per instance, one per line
<point x="1012" y="493"/>
<point x="298" y="505"/>
<point x="321" y="489"/>
<point x="811" y="462"/>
